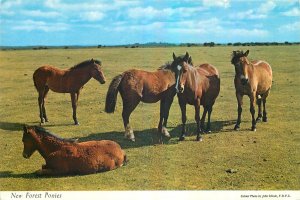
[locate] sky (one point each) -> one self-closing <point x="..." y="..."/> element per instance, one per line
<point x="117" y="22"/>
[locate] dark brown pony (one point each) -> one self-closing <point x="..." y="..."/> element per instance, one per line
<point x="196" y="86"/>
<point x="253" y="79"/>
<point x="65" y="81"/>
<point x="67" y="156"/>
<point x="149" y="87"/>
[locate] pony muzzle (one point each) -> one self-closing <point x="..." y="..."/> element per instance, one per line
<point x="25" y="155"/>
<point x="102" y="81"/>
<point x="180" y="88"/>
<point x="244" y="80"/>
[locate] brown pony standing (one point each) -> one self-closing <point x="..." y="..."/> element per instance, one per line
<point x="196" y="86"/>
<point x="65" y="81"/>
<point x="149" y="87"/>
<point x="66" y="156"/>
<point x="253" y="79"/>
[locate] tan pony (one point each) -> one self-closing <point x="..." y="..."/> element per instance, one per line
<point x="253" y="79"/>
<point x="67" y="156"/>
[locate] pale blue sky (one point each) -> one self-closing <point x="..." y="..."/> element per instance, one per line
<point x="112" y="22"/>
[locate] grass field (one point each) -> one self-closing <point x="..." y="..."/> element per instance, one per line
<point x="267" y="159"/>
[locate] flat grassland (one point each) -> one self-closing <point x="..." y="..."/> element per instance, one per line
<point x="267" y="159"/>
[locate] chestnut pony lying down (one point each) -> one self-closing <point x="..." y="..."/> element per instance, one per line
<point x="67" y="156"/>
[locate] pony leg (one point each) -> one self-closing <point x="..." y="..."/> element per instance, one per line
<point x="259" y="116"/>
<point x="183" y="118"/>
<point x="77" y="96"/>
<point x="40" y="102"/>
<point x="43" y="105"/>
<point x="264" y="99"/>
<point x="203" y="118"/>
<point x="74" y="107"/>
<point x="76" y="99"/>
<point x="239" y="98"/>
<point x="197" y="119"/>
<point x="208" y="119"/>
<point x="265" y="119"/>
<point x="160" y="127"/>
<point x="252" y="110"/>
<point x="46" y="172"/>
<point x="167" y="107"/>
<point x="128" y="107"/>
<point x="161" y="115"/>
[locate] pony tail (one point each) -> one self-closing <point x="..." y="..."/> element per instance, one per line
<point x="112" y="93"/>
<point x="34" y="80"/>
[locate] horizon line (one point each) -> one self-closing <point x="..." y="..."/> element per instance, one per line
<point x="145" y="44"/>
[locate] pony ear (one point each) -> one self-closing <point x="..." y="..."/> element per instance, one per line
<point x="186" y="57"/>
<point x="92" y="60"/>
<point x="246" y="53"/>
<point x="190" y="60"/>
<point x="174" y="57"/>
<point x="25" y="128"/>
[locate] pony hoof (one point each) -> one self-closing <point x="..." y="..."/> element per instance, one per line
<point x="265" y="119"/>
<point x="237" y="128"/>
<point x="39" y="172"/>
<point x="199" y="139"/>
<point x="181" y="138"/>
<point x="76" y="124"/>
<point x="129" y="139"/>
<point x="165" y="132"/>
<point x="253" y="129"/>
<point x="258" y="119"/>
<point x="167" y="135"/>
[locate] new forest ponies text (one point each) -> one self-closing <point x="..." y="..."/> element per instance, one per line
<point x="65" y="81"/>
<point x="254" y="79"/>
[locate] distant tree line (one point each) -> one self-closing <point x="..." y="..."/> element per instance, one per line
<point x="159" y="44"/>
<point x="39" y="48"/>
<point x="261" y="43"/>
<point x="212" y="44"/>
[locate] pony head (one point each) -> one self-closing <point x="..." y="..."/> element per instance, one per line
<point x="28" y="141"/>
<point x="180" y="66"/>
<point x="96" y="71"/>
<point x="241" y="63"/>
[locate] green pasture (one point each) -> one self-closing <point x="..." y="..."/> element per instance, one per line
<point x="267" y="159"/>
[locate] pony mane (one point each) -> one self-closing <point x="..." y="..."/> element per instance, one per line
<point x="41" y="131"/>
<point x="236" y="55"/>
<point x="166" y="66"/>
<point x="85" y="63"/>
